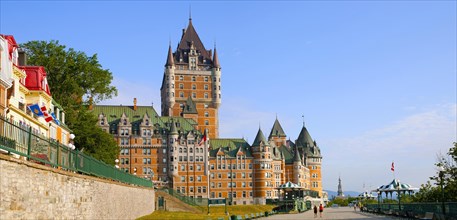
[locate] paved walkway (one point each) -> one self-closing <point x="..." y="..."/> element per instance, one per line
<point x="330" y="213"/>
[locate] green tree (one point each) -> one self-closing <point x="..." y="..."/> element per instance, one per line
<point x="75" y="77"/>
<point x="432" y="192"/>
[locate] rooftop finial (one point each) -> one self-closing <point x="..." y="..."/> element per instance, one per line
<point x="190" y="12"/>
<point x="303" y="117"/>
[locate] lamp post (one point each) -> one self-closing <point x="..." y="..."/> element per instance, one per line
<point x="441" y="175"/>
<point x="399" y="195"/>
<point x="116" y="161"/>
<point x="379" y="199"/>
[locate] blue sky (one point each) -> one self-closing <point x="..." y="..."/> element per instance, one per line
<point x="375" y="80"/>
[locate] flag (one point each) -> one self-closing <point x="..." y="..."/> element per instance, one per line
<point x="55" y="118"/>
<point x="203" y="140"/>
<point x="393" y="167"/>
<point x="46" y="115"/>
<point x="35" y="108"/>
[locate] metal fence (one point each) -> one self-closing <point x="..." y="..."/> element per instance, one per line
<point x="22" y="140"/>
<point x="187" y="199"/>
<point x="417" y="208"/>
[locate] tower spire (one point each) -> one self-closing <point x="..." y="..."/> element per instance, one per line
<point x="170" y="60"/>
<point x="216" y="58"/>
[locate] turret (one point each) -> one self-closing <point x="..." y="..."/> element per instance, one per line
<point x="216" y="75"/>
<point x="263" y="168"/>
<point x="169" y="83"/>
<point x="173" y="145"/>
<point x="297" y="166"/>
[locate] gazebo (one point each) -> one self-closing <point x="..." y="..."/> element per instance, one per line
<point x="395" y="186"/>
<point x="292" y="197"/>
<point x="366" y="195"/>
<point x="291" y="191"/>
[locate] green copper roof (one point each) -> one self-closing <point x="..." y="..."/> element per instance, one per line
<point x="287" y="153"/>
<point x="277" y="130"/>
<point x="113" y="113"/>
<point x="304" y="139"/>
<point x="190" y="107"/>
<point x="297" y="155"/>
<point x="183" y="125"/>
<point x="259" y="138"/>
<point x="230" y="146"/>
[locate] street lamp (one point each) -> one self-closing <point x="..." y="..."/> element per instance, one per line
<point x="379" y="199"/>
<point x="116" y="161"/>
<point x="399" y="195"/>
<point x="441" y="175"/>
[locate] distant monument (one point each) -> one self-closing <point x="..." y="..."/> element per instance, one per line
<point x="340" y="189"/>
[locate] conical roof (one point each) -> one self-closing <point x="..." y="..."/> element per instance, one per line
<point x="170" y="60"/>
<point x="190" y="107"/>
<point x="216" y="59"/>
<point x="304" y="138"/>
<point x="173" y="129"/>
<point x="296" y="155"/>
<point x="277" y="130"/>
<point x="259" y="138"/>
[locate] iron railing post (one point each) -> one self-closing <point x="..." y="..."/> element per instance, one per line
<point x="29" y="144"/>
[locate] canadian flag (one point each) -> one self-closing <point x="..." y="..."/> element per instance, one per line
<point x="47" y="117"/>
<point x="393" y="167"/>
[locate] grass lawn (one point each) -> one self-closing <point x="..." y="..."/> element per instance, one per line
<point x="215" y="212"/>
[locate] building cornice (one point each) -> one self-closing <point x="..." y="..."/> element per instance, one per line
<point x="41" y="93"/>
<point x="25" y="115"/>
<point x="19" y="72"/>
<point x="6" y="83"/>
<point x="23" y="89"/>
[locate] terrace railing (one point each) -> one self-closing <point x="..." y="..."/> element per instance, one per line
<point x="22" y="140"/>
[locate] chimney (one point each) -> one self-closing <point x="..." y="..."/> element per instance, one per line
<point x="134" y="104"/>
<point x="22" y="59"/>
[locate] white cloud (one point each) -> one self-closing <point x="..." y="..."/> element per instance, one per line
<point x="413" y="143"/>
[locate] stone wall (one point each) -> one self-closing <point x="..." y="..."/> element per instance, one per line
<point x="33" y="191"/>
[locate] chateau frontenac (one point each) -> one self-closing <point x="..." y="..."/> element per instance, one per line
<point x="181" y="148"/>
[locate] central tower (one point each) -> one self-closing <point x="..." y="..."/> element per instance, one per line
<point x="191" y="85"/>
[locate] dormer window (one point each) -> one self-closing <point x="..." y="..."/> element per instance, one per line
<point x="193" y="63"/>
<point x="125" y="121"/>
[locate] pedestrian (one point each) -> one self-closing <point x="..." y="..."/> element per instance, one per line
<point x="321" y="209"/>
<point x="355" y="207"/>
<point x="315" y="211"/>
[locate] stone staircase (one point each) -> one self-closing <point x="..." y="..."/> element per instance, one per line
<point x="173" y="204"/>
